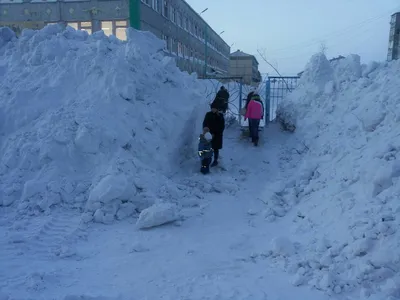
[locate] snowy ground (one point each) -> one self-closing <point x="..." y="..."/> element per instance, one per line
<point x="218" y="250"/>
<point x="98" y="142"/>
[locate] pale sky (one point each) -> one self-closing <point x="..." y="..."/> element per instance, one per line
<point x="290" y="31"/>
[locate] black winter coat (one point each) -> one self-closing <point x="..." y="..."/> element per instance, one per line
<point x="221" y="100"/>
<point x="216" y="123"/>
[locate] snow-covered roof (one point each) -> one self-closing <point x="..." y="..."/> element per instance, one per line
<point x="240" y="53"/>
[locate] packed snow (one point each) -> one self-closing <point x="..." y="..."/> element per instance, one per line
<point x="347" y="186"/>
<point x="83" y="125"/>
<point x="101" y="196"/>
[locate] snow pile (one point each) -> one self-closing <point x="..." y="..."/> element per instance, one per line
<point x="348" y="184"/>
<point x="92" y="122"/>
<point x="156" y="215"/>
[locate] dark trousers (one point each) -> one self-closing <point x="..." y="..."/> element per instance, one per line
<point x="254" y="124"/>
<point x="205" y="165"/>
<point x="216" y="154"/>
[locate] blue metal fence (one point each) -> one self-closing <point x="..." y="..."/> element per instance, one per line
<point x="276" y="88"/>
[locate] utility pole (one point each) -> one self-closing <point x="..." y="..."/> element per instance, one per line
<point x="134" y="14"/>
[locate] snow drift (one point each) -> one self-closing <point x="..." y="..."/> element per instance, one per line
<point x="348" y="184"/>
<point x="91" y="122"/>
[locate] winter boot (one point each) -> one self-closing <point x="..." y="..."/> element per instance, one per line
<point x="215" y="163"/>
<point x="205" y="170"/>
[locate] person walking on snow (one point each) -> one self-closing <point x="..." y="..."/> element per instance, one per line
<point x="249" y="95"/>
<point x="255" y="113"/>
<point x="214" y="120"/>
<point x="221" y="100"/>
<point x="205" y="150"/>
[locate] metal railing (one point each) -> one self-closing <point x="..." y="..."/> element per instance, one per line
<point x="276" y="89"/>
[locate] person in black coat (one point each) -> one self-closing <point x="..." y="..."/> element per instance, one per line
<point x="221" y="100"/>
<point x="215" y="121"/>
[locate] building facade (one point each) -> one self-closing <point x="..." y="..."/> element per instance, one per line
<point x="196" y="46"/>
<point x="394" y="37"/>
<point x="246" y="66"/>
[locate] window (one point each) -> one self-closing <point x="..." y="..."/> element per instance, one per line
<point x="173" y="15"/>
<point x="73" y="25"/>
<point x="170" y="44"/>
<point x="156" y="5"/>
<point x="185" y="23"/>
<point x="38" y="1"/>
<point x="180" y="48"/>
<point x="117" y="28"/>
<point x="165" y="38"/>
<point x="174" y="45"/>
<point x="121" y="23"/>
<point x="86" y="26"/>
<point x="391" y="31"/>
<point x="107" y="27"/>
<point x="120" y="29"/>
<point x="165" y="9"/>
<point x="179" y="18"/>
<point x="120" y="33"/>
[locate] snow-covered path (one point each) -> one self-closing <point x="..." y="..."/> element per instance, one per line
<point x="215" y="253"/>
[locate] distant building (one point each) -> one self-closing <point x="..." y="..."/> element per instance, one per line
<point x="340" y="57"/>
<point x="175" y="21"/>
<point x="245" y="65"/>
<point x="394" y="37"/>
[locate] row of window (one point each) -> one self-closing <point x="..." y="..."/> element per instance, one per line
<point x="179" y="49"/>
<point x="191" y="65"/>
<point x="117" y="28"/>
<point x="175" y="47"/>
<point x="36" y="1"/>
<point x="183" y="21"/>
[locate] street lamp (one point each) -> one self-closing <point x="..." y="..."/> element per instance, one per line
<point x="221" y="32"/>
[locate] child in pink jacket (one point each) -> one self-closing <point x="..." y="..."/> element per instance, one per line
<point x="255" y="113"/>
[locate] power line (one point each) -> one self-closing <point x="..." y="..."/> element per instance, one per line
<point x="329" y="44"/>
<point x="335" y="33"/>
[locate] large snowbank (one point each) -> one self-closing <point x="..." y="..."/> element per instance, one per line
<point x="92" y="122"/>
<point x="347" y="188"/>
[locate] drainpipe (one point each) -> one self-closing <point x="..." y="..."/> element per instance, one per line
<point x="134" y="14"/>
<point x="205" y="50"/>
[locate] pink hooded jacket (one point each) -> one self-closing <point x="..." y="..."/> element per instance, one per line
<point x="255" y="110"/>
